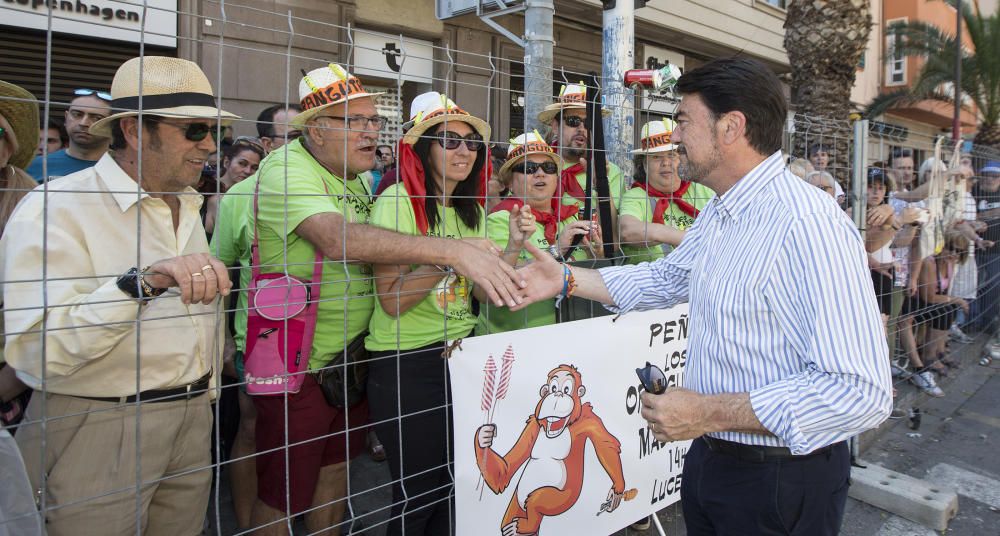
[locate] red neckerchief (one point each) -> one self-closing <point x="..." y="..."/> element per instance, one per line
<point x="411" y="170"/>
<point x="664" y="200"/>
<point x="560" y="212"/>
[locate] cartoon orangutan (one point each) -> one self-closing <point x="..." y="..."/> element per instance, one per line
<point x="551" y="449"/>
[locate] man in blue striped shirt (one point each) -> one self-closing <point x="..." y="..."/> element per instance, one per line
<point x="787" y="357"/>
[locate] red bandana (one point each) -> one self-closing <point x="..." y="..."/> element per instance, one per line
<point x="550" y="220"/>
<point x="570" y="185"/>
<point x="411" y="170"/>
<point x="664" y="200"/>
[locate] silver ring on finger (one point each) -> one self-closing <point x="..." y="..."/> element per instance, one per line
<point x="197" y="274"/>
<point x="207" y="267"/>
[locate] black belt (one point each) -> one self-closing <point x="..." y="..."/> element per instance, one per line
<point x="184" y="392"/>
<point x="758" y="453"/>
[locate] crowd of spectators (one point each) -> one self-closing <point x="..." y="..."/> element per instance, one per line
<point x="402" y="249"/>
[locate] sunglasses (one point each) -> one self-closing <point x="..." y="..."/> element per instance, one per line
<point x="530" y="168"/>
<point x="572" y="120"/>
<point x="103" y="95"/>
<point x="249" y="140"/>
<point x="653" y="380"/>
<point x="451" y="141"/>
<point x="192" y="131"/>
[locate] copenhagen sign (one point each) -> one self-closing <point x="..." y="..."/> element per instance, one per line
<point x="120" y="21"/>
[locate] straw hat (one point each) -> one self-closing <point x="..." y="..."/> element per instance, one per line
<point x="655" y="137"/>
<point x="20" y="109"/>
<point x="171" y="87"/>
<point x="434" y="109"/>
<point x="327" y="86"/>
<point x="571" y="97"/>
<point x="526" y="144"/>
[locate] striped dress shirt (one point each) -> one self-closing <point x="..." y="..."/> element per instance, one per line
<point x="782" y="307"/>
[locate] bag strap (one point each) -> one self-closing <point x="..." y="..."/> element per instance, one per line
<point x="315" y="284"/>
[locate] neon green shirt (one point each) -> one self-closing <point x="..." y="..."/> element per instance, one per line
<point x="616" y="182"/>
<point x="499" y="319"/>
<point x="637" y="203"/>
<point x="445" y="313"/>
<point x="346" y="299"/>
<point x="231" y="241"/>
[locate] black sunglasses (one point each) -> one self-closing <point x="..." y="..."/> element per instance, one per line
<point x="450" y="141"/>
<point x="572" y="120"/>
<point x="653" y="380"/>
<point x="192" y="131"/>
<point x="103" y="95"/>
<point x="529" y="168"/>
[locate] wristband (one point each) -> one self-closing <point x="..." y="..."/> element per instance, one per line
<point x="569" y="285"/>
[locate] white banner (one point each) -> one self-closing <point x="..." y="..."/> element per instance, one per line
<point x="548" y="435"/>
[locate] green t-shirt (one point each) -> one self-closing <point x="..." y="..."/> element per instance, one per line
<point x="291" y="190"/>
<point x="637" y="203"/>
<point x="231" y="244"/>
<point x="616" y="184"/>
<point x="494" y="319"/>
<point x="445" y="313"/>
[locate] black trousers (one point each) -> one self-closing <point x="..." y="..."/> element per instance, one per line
<point x="412" y="419"/>
<point x="722" y="495"/>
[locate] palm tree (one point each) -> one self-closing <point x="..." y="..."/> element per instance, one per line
<point x="825" y="40"/>
<point x="937" y="47"/>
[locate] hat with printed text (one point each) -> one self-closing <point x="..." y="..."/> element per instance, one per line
<point x="327" y="86"/>
<point x="655" y="137"/>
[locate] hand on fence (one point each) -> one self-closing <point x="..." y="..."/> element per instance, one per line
<point x="909" y="215"/>
<point x="199" y="276"/>
<point x="574" y="229"/>
<point x="479" y="260"/>
<point x="485" y="435"/>
<point x="879" y="216"/>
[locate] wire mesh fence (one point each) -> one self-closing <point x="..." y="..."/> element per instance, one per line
<point x="140" y="412"/>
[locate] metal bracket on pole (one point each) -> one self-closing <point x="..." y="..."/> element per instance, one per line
<point x="488" y="16"/>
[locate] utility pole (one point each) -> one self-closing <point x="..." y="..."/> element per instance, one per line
<point x="956" y="125"/>
<point x="619" y="56"/>
<point x="538" y="41"/>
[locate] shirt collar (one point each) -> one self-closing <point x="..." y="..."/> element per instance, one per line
<point x="739" y="198"/>
<point x="126" y="191"/>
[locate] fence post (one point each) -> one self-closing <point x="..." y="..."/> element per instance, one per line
<point x="859" y="184"/>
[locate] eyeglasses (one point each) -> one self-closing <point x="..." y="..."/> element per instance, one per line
<point x="572" y="121"/>
<point x="359" y="122"/>
<point x="529" y="168"/>
<point x="653" y="380"/>
<point x="450" y="141"/>
<point x="103" y="95"/>
<point x="192" y="131"/>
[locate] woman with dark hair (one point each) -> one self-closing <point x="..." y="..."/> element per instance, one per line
<point x="443" y="167"/>
<point x="659" y="207"/>
<point x="533" y="213"/>
<point x="239" y="161"/>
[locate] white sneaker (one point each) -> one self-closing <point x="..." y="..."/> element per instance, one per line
<point x="924" y="380"/>
<point x="958" y="335"/>
<point x="900" y="372"/>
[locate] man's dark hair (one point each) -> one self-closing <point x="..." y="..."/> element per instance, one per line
<point x="743" y="85"/>
<point x="53" y="123"/>
<point x="465" y="198"/>
<point x="899" y="152"/>
<point x="265" y="120"/>
<point x="819" y="148"/>
<point x="118" y="136"/>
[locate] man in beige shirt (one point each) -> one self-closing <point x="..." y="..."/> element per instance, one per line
<point x="117" y="439"/>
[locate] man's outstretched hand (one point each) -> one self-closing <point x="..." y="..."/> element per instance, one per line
<point x="480" y="262"/>
<point x="543" y="278"/>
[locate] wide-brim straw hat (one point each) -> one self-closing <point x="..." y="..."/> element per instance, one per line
<point x="325" y="87"/>
<point x="655" y="137"/>
<point x="521" y="147"/>
<point x="171" y="87"/>
<point x="433" y="108"/>
<point x="571" y="97"/>
<point x="20" y="109"/>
